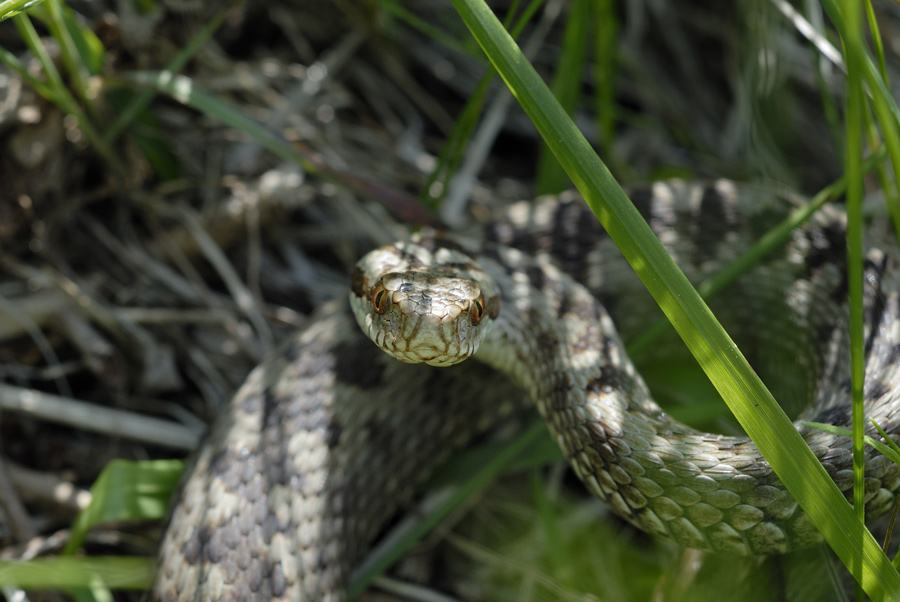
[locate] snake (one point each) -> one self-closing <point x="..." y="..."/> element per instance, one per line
<point x="330" y="436"/>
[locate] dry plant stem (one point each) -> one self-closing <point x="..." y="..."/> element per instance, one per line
<point x="174" y="315"/>
<point x="20" y="316"/>
<point x="35" y="547"/>
<point x="91" y="417"/>
<point x="36" y="308"/>
<point x="287" y="21"/>
<point x="319" y="283"/>
<point x="157" y="364"/>
<point x="224" y="228"/>
<point x="214" y="254"/>
<point x="254" y="257"/>
<point x="144" y="263"/>
<point x="47" y="487"/>
<point x="97" y="352"/>
<point x="19" y="521"/>
<point x="127" y="333"/>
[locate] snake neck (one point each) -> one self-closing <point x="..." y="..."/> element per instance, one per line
<point x="559" y="344"/>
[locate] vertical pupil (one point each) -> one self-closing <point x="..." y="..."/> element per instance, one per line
<point x="377" y="300"/>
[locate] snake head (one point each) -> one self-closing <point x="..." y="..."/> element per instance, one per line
<point x="423" y="302"/>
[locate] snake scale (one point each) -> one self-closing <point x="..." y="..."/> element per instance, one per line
<point x="329" y="436"/>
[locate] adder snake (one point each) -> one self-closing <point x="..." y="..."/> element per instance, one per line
<point x="330" y="436"/>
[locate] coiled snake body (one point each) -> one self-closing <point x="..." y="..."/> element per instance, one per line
<point x="330" y="436"/>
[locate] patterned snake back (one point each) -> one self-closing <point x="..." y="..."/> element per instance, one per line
<point x="330" y="436"/>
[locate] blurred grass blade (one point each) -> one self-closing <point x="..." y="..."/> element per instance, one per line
<point x="124" y="491"/>
<point x="13" y="62"/>
<point x="876" y="40"/>
<point x="60" y="95"/>
<point x="606" y="38"/>
<point x="66" y="572"/>
<point x="142" y="100"/>
<point x="183" y="90"/>
<point x="394" y="8"/>
<point x="549" y="524"/>
<point x="11" y="8"/>
<point x="81" y="51"/>
<point x="740" y="387"/>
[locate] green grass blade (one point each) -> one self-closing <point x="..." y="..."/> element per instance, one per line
<point x="142" y="100"/>
<point x="853" y="127"/>
<point x="127" y="490"/>
<point x="876" y="40"/>
<point x="883" y="101"/>
<point x="13" y="62"/>
<point x="566" y="87"/>
<point x="66" y="572"/>
<point x="752" y="404"/>
<point x="60" y="95"/>
<point x="889" y="448"/>
<point x="80" y="57"/>
<point x="11" y="8"/>
<point x="605" y="73"/>
<point x="395" y="9"/>
<point x="559" y="555"/>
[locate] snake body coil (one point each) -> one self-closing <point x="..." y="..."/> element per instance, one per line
<point x="330" y="436"/>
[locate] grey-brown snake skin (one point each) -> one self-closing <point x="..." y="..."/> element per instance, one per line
<point x="329" y="437"/>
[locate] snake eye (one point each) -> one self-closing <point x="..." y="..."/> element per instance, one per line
<point x="477" y="311"/>
<point x="380" y="299"/>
